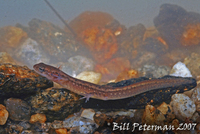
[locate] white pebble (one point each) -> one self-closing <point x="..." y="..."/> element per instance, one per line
<point x="180" y="69"/>
<point x="88" y="113"/>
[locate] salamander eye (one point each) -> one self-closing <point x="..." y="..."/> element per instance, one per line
<point x="41" y="69"/>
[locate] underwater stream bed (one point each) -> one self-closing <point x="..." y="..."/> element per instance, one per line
<point x="149" y="75"/>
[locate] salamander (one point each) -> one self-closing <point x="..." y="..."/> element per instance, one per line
<point x="106" y="92"/>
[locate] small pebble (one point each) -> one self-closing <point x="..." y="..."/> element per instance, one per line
<point x="81" y="124"/>
<point x="88" y="113"/>
<point x="57" y="124"/>
<point x="18" y="109"/>
<point x="152" y="116"/>
<point x="61" y="131"/>
<point x="175" y="123"/>
<point x="167" y="111"/>
<point x="41" y="118"/>
<point x="183" y="106"/>
<point x="196" y="98"/>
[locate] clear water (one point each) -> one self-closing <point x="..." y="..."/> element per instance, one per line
<point x="127" y="12"/>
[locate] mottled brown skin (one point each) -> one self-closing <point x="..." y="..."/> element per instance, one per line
<point x="105" y="92"/>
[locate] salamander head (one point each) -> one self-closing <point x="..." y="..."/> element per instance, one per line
<point x="47" y="71"/>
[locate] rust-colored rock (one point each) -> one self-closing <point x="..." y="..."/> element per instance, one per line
<point x="3" y="114"/>
<point x="98" y="31"/>
<point x="191" y="35"/>
<point x="101" y="42"/>
<point x="89" y="19"/>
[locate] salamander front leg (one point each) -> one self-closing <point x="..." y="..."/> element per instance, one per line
<point x="87" y="97"/>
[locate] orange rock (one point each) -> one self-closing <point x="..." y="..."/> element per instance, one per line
<point x="11" y="37"/>
<point x="98" y="32"/>
<point x="101" y="41"/>
<point x="90" y="19"/>
<point x="89" y="36"/>
<point x="3" y="114"/>
<point x="191" y="35"/>
<point x="113" y="68"/>
<point x="61" y="131"/>
<point x="38" y="118"/>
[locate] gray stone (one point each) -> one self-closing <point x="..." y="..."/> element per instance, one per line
<point x="30" y="53"/>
